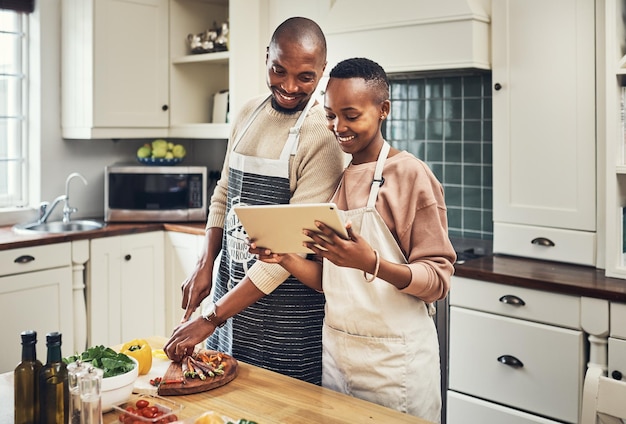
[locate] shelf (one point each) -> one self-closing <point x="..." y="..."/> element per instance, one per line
<point x="620" y="169"/>
<point x="203" y="131"/>
<point x="218" y="58"/>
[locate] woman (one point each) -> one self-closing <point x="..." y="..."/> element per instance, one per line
<point x="379" y="339"/>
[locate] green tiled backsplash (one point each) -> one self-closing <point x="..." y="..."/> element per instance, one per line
<point x="445" y="120"/>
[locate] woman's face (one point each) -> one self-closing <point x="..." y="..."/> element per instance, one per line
<point x="293" y="71"/>
<point x="355" y="116"/>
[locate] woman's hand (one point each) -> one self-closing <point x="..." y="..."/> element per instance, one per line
<point x="354" y="252"/>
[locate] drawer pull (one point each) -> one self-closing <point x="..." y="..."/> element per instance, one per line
<point x="510" y="299"/>
<point x="24" y="259"/>
<point x="542" y="241"/>
<point x="511" y="361"/>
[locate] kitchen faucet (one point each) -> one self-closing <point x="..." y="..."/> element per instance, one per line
<point x="45" y="208"/>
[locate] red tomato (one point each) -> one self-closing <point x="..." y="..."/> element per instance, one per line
<point x="142" y="403"/>
<point x="148" y="413"/>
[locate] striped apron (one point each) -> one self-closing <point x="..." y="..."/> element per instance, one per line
<point x="379" y="344"/>
<point x="282" y="331"/>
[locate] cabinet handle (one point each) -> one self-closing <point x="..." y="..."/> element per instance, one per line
<point x="511" y="361"/>
<point x="616" y="375"/>
<point x="510" y="299"/>
<point x="127" y="258"/>
<point x="497" y="86"/>
<point x="164" y="108"/>
<point x="542" y="241"/>
<point x="24" y="259"/>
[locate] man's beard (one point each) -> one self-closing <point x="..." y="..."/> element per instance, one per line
<point x="277" y="107"/>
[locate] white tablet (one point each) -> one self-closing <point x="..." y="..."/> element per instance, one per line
<point x="279" y="227"/>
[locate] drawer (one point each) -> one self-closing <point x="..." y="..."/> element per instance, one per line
<point x="577" y="247"/>
<point x="548" y="383"/>
<point x="540" y="306"/>
<point x="464" y="409"/>
<point x="27" y="259"/>
<point x="618" y="320"/>
<point x="617" y="358"/>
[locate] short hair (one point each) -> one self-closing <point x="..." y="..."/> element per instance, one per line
<point x="360" y="67"/>
<point x="301" y="30"/>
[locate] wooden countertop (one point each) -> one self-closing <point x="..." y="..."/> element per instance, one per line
<point x="543" y="275"/>
<point x="260" y="395"/>
<point x="11" y="240"/>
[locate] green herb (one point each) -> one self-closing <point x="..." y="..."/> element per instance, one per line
<point x="105" y="358"/>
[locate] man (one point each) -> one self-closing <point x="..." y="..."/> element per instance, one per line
<point x="280" y="151"/>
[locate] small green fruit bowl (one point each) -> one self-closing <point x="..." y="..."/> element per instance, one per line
<point x="159" y="161"/>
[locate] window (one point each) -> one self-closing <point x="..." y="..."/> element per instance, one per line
<point x="13" y="101"/>
<point x="13" y="107"/>
<point x="445" y="120"/>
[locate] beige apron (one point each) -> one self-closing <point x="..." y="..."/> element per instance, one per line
<point x="379" y="344"/>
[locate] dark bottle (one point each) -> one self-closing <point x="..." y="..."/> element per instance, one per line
<point x="53" y="384"/>
<point x="26" y="381"/>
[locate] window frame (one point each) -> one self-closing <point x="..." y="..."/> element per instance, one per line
<point x="16" y="195"/>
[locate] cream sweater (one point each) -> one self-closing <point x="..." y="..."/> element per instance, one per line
<point x="314" y="170"/>
<point x="411" y="202"/>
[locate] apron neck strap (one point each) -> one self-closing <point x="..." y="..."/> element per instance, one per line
<point x="294" y="132"/>
<point x="378" y="180"/>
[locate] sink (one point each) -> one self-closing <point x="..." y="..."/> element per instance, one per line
<point x="57" y="227"/>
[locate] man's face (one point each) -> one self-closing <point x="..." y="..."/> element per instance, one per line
<point x="293" y="71"/>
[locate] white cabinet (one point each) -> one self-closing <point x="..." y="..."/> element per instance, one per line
<point x="126" y="290"/>
<point x="127" y="71"/>
<point x="615" y="83"/>
<point x="181" y="256"/>
<point x="115" y="68"/>
<point x="544" y="129"/>
<point x="617" y="342"/>
<point x="515" y="348"/>
<point x="35" y="294"/>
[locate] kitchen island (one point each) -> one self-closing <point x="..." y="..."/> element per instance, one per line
<point x="259" y="395"/>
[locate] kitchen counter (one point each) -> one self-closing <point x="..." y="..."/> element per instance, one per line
<point x="260" y="395"/>
<point x="12" y="240"/>
<point x="541" y="275"/>
<point x="544" y="275"/>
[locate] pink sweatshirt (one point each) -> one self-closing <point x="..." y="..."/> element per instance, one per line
<point x="411" y="202"/>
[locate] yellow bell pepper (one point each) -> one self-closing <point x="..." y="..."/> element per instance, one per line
<point x="141" y="351"/>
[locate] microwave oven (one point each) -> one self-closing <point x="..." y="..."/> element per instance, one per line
<point x="155" y="193"/>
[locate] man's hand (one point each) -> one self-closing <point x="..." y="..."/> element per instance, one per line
<point x="186" y="336"/>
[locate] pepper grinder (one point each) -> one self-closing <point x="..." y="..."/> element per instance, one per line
<point x="90" y="387"/>
<point x="75" y="371"/>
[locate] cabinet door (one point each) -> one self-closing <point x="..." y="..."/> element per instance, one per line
<point x="544" y="113"/>
<point x="181" y="256"/>
<point x="126" y="292"/>
<point x="464" y="409"/>
<point x="40" y="301"/>
<point x="549" y="379"/>
<point x="115" y="68"/>
<point x="131" y="63"/>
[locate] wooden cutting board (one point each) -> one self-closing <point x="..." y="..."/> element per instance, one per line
<point x="196" y="385"/>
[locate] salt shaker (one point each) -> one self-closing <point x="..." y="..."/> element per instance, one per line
<point x="90" y="387"/>
<point x="75" y="371"/>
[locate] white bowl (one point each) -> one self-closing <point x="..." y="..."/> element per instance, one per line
<point x="119" y="388"/>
